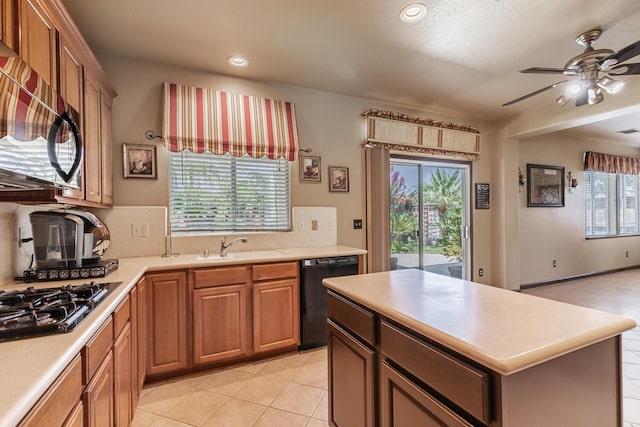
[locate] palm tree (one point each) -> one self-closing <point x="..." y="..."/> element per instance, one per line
<point x="444" y="191"/>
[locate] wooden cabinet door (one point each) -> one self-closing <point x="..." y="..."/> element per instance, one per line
<point x="76" y="418"/>
<point x="98" y="395"/>
<point x="404" y="404"/>
<point x="220" y="323"/>
<point x="276" y="315"/>
<point x="122" y="387"/>
<point x="351" y="380"/>
<point x="92" y="149"/>
<point x="167" y="340"/>
<point x="38" y="40"/>
<point x="135" y="393"/>
<point x="8" y="25"/>
<point x="105" y="148"/>
<point x="143" y="322"/>
<point x="71" y="78"/>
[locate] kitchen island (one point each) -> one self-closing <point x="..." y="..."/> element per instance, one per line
<point x="413" y="348"/>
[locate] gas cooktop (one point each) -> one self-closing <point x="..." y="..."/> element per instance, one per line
<point x="32" y="312"/>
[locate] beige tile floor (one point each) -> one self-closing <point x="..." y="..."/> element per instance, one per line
<point x="288" y="390"/>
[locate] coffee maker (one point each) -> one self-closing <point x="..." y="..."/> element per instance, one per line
<point x="67" y="238"/>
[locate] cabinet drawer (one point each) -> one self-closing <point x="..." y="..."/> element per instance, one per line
<point x="456" y="380"/>
<point x="280" y="270"/>
<point x="58" y="402"/>
<point x="121" y="316"/>
<point x="353" y="317"/>
<point x="404" y="404"/>
<point x="96" y="349"/>
<point x="220" y="276"/>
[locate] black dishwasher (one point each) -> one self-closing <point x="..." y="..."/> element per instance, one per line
<point x="313" y="296"/>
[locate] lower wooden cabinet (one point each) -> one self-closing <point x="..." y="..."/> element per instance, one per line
<point x="276" y="315"/>
<point x="76" y="418"/>
<point x="404" y="404"/>
<point x="142" y="341"/>
<point x="123" y="384"/>
<point x="58" y="405"/>
<point x="351" y="379"/>
<point x="98" y="396"/>
<point x="220" y="323"/>
<point x="167" y="340"/>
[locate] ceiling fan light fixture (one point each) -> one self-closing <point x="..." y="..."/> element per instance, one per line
<point x="610" y="85"/>
<point x="413" y="12"/>
<point x="594" y="95"/>
<point x="563" y="100"/>
<point x="574" y="88"/>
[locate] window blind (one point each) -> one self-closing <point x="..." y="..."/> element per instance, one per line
<point x="210" y="193"/>
<point x="601" y="203"/>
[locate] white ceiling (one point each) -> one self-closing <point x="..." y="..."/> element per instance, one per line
<point x="463" y="58"/>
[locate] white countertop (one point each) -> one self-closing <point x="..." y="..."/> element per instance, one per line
<point x="29" y="366"/>
<point x="503" y="330"/>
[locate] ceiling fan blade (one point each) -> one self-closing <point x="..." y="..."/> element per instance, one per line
<point x="622" y="55"/>
<point x="529" y="95"/>
<point x="625" y="69"/>
<point x="543" y="70"/>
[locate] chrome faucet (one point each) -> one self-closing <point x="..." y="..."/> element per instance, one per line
<point x="224" y="248"/>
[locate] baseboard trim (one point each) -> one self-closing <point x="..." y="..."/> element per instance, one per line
<point x="577" y="276"/>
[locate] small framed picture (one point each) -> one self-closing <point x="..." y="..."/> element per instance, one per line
<point x="545" y="186"/>
<point x="309" y="168"/>
<point x="139" y="161"/>
<point x="338" y="178"/>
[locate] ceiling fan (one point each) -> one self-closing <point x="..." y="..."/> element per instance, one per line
<point x="593" y="68"/>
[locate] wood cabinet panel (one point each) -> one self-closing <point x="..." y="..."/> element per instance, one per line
<point x="70" y="73"/>
<point x="121" y="316"/>
<point x="403" y="404"/>
<point x="352" y="316"/>
<point x="76" y="418"/>
<point x="167" y="340"/>
<point x="59" y="401"/>
<point x="135" y="392"/>
<point x="208" y="277"/>
<point x="276" y="315"/>
<point x="38" y="40"/>
<point x="98" y="396"/>
<point x="8" y="25"/>
<point x="351" y="380"/>
<point x="220" y="323"/>
<point x="143" y="324"/>
<point x="96" y="349"/>
<point x="105" y="148"/>
<point x="122" y="387"/>
<point x="278" y="270"/>
<point x="92" y="151"/>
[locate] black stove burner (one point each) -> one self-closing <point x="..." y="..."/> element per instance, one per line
<point x="35" y="312"/>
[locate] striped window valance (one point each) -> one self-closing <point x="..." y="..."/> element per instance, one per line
<point x="610" y="163"/>
<point x="200" y="120"/>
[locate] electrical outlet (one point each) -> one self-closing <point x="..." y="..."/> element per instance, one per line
<point x="140" y="230"/>
<point x="314" y="224"/>
<point x="357" y="224"/>
<point x="481" y="272"/>
<point x="555" y="263"/>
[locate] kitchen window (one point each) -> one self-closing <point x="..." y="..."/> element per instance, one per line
<point x="222" y="193"/>
<point x="612" y="204"/>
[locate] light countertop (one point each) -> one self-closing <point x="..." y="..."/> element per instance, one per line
<point x="29" y="366"/>
<point x="503" y="330"/>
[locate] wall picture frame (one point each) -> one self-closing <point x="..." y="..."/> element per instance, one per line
<point x="310" y="169"/>
<point x="545" y="186"/>
<point x="139" y="161"/>
<point x="338" y="179"/>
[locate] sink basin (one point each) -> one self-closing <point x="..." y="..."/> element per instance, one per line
<point x="213" y="258"/>
<point x="257" y="254"/>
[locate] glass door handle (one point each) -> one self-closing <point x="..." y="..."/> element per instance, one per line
<point x="465" y="232"/>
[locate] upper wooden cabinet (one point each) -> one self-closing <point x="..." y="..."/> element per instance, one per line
<point x="38" y="39"/>
<point x="8" y="24"/>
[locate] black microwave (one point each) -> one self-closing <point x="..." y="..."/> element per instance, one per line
<point x="40" y="143"/>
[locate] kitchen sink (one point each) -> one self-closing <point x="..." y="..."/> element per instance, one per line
<point x="249" y="255"/>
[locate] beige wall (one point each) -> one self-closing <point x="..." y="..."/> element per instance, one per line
<point x="547" y="234"/>
<point x="328" y="123"/>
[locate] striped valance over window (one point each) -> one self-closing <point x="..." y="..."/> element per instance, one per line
<point x="202" y="120"/>
<point x="610" y="163"/>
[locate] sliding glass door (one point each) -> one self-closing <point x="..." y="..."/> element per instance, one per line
<point x="429" y="215"/>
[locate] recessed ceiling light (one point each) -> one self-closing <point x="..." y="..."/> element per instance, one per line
<point x="238" y="61"/>
<point x="413" y="12"/>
